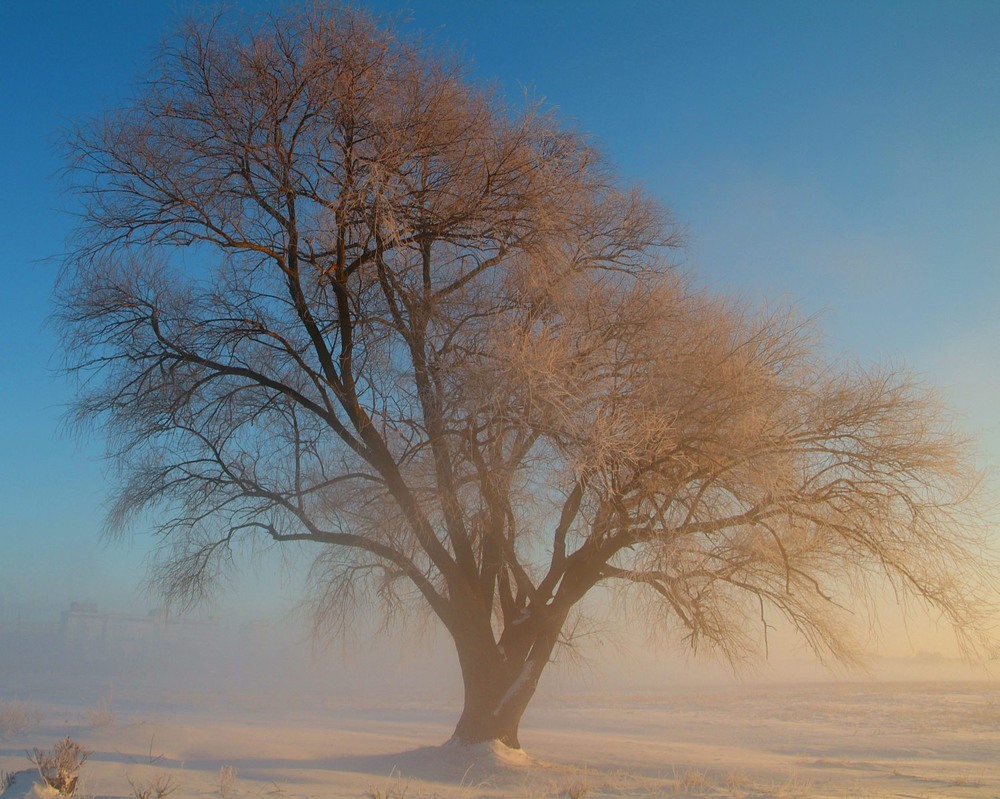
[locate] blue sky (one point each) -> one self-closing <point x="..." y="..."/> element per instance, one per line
<point x="844" y="157"/>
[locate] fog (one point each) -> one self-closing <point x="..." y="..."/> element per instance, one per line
<point x="88" y="653"/>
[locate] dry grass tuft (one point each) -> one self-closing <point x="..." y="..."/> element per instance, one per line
<point x="395" y="791"/>
<point x="101" y="715"/>
<point x="577" y="790"/>
<point x="159" y="787"/>
<point x="228" y="784"/>
<point x="738" y="784"/>
<point x="691" y="782"/>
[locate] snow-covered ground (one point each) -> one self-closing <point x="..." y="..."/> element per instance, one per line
<point x="907" y="740"/>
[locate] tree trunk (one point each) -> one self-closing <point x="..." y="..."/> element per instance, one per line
<point x="495" y="700"/>
<point x="498" y="689"/>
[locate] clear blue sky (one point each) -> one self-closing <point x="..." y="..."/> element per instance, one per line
<point x="841" y="155"/>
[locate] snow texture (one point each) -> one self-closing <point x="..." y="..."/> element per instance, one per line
<point x="874" y="740"/>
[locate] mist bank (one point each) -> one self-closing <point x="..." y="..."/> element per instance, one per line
<point x="91" y="657"/>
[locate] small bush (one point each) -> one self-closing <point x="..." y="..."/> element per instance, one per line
<point x="60" y="767"/>
<point x="6" y="780"/>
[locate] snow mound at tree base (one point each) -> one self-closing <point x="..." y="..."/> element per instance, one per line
<point x="458" y="761"/>
<point x="491" y="753"/>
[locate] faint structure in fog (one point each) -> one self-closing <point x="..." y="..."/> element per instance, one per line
<point x="88" y="635"/>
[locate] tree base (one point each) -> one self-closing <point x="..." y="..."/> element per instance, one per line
<point x="488" y="753"/>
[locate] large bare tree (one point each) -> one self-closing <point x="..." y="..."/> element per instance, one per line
<point x="327" y="290"/>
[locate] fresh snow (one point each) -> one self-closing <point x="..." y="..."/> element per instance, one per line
<point x="875" y="740"/>
<point x="28" y="784"/>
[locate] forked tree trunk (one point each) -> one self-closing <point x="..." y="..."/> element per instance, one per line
<point x="498" y="690"/>
<point x="495" y="700"/>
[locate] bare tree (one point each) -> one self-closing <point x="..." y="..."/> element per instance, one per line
<point x="326" y="290"/>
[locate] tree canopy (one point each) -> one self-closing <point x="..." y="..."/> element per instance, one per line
<point x="327" y="289"/>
